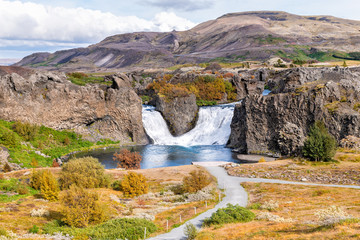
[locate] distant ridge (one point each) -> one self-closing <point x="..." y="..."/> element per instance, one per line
<point x="232" y="37"/>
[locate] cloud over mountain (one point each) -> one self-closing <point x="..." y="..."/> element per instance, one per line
<point x="27" y="21"/>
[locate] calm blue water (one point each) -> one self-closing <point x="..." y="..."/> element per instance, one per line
<point x="155" y="156"/>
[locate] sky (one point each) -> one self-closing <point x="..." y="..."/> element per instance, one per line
<point x="50" y="25"/>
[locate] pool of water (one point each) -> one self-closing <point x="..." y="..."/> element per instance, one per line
<point x="155" y="156"/>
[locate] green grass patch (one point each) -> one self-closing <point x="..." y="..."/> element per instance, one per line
<point x="23" y="140"/>
<point x="270" y="39"/>
<point x="14" y="190"/>
<point x="122" y="228"/>
<point x="82" y="79"/>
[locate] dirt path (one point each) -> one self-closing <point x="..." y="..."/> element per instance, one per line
<point x="235" y="194"/>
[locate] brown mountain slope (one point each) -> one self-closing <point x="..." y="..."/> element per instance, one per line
<point x="232" y="37"/>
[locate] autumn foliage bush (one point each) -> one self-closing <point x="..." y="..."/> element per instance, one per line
<point x="49" y="186"/>
<point x="46" y="182"/>
<point x="81" y="208"/>
<point x="127" y="159"/>
<point x="205" y="88"/>
<point x="84" y="172"/>
<point x="196" y="181"/>
<point x="134" y="184"/>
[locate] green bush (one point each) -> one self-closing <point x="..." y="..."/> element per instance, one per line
<point x="121" y="228"/>
<point x="134" y="184"/>
<point x="81" y="208"/>
<point x="84" y="172"/>
<point x="3" y="232"/>
<point x="230" y="214"/>
<point x="25" y="130"/>
<point x="8" y="138"/>
<point x="34" y="229"/>
<point x="190" y="231"/>
<point x="319" y="145"/>
<point x="116" y="185"/>
<point x="196" y="181"/>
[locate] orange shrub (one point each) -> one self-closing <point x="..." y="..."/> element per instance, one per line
<point x="127" y="159"/>
<point x="228" y="75"/>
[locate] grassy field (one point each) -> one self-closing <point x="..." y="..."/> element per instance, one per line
<point x="296" y="208"/>
<point x="15" y="210"/>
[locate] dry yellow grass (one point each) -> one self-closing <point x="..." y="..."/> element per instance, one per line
<point x="298" y="203"/>
<point x="18" y="219"/>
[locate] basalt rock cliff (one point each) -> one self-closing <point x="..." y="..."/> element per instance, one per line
<point x="48" y="98"/>
<point x="280" y="122"/>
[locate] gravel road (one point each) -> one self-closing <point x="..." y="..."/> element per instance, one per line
<point x="235" y="194"/>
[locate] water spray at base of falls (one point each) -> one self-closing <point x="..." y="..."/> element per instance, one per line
<point x="212" y="127"/>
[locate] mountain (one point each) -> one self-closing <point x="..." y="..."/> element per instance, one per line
<point x="232" y="37"/>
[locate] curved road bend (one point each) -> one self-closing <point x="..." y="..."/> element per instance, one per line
<point x="235" y="194"/>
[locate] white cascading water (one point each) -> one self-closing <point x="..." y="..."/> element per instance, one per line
<point x="212" y="127"/>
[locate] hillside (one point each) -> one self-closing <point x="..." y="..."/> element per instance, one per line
<point x="232" y="37"/>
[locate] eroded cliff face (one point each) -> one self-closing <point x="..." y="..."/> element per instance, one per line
<point x="96" y="112"/>
<point x="280" y="122"/>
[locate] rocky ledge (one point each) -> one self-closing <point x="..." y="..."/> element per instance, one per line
<point x="280" y="122"/>
<point x="49" y="99"/>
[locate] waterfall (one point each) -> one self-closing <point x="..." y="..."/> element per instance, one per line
<point x="212" y="127"/>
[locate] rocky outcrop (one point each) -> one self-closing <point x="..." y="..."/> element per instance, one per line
<point x="180" y="113"/>
<point x="279" y="123"/>
<point x="96" y="112"/>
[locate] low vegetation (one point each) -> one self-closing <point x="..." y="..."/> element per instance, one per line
<point x="196" y="181"/>
<point x="319" y="145"/>
<point x="302" y="212"/>
<point x="134" y="184"/>
<point x="36" y="146"/>
<point x="80" y="78"/>
<point x="207" y="89"/>
<point x="122" y="228"/>
<point x="81" y="208"/>
<point x="49" y="187"/>
<point x="100" y="213"/>
<point x="230" y="214"/>
<point x="190" y="231"/>
<point x="128" y="160"/>
<point x="84" y="172"/>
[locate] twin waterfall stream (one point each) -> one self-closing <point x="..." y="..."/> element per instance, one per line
<point x="204" y="143"/>
<point x="212" y="127"/>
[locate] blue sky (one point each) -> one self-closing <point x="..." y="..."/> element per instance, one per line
<point x="50" y="25"/>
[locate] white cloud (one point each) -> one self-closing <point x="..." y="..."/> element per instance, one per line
<point x="29" y="21"/>
<point x="185" y="5"/>
<point x="166" y="22"/>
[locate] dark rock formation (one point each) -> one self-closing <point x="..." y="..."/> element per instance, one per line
<point x="49" y="99"/>
<point x="180" y="113"/>
<point x="280" y="122"/>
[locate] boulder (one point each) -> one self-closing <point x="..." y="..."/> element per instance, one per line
<point x="180" y="113"/>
